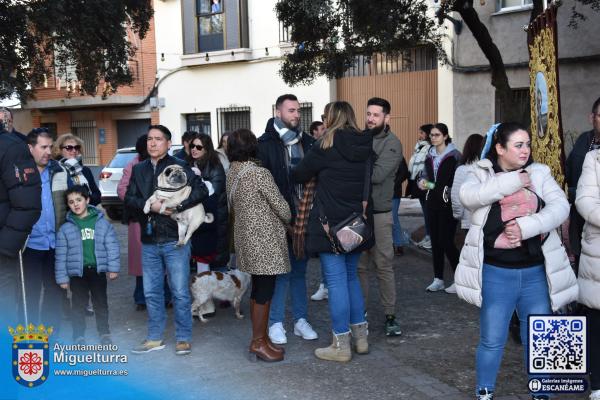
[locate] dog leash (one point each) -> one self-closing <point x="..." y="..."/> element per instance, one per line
<point x="22" y="271"/>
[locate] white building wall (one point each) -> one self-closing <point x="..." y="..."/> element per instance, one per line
<point x="190" y="84"/>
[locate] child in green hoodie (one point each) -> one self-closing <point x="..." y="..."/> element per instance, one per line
<point x="87" y="251"/>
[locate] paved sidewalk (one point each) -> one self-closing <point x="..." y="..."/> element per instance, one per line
<point x="433" y="359"/>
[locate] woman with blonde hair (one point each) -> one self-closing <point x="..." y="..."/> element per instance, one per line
<point x="340" y="161"/>
<point x="68" y="151"/>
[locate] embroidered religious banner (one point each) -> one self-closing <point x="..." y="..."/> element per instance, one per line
<point x="546" y="125"/>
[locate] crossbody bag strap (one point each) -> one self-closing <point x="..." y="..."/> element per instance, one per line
<point x="367" y="185"/>
<point x="234" y="185"/>
<point x="365" y="202"/>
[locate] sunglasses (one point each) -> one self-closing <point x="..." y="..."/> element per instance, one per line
<point x="71" y="147"/>
<point x="196" y="146"/>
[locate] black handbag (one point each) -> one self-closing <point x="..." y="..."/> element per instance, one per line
<point x="354" y="230"/>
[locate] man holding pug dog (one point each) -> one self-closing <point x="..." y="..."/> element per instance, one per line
<point x="159" y="236"/>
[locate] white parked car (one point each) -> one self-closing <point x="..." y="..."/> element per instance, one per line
<point x="112" y="174"/>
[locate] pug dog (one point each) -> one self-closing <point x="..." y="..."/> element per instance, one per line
<point x="173" y="189"/>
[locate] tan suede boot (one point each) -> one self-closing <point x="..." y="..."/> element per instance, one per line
<point x="359" y="337"/>
<point x="339" y="349"/>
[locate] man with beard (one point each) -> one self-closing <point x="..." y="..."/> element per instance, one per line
<point x="280" y="149"/>
<point x="388" y="154"/>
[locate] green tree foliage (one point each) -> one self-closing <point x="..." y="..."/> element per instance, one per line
<point x="329" y="34"/>
<point x="37" y="36"/>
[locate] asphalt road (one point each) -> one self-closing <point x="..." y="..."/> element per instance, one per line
<point x="433" y="359"/>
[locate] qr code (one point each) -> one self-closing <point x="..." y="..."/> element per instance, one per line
<point x="557" y="344"/>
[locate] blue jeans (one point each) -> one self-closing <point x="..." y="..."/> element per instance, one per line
<point x="396" y="227"/>
<point x="156" y="259"/>
<point x="346" y="302"/>
<point x="503" y="290"/>
<point x="138" y="292"/>
<point x="296" y="281"/>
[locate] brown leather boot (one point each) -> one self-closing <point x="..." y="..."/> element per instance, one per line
<point x="259" y="346"/>
<point x="273" y="346"/>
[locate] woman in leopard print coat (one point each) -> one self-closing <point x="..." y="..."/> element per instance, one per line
<point x="261" y="216"/>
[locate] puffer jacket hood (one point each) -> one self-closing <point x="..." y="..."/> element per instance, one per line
<point x="353" y="145"/>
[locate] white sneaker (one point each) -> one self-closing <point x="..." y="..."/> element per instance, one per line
<point x="321" y="294"/>
<point x="425" y="243"/>
<point x="436" y="285"/>
<point x="277" y="333"/>
<point x="451" y="288"/>
<point x="595" y="395"/>
<point x="303" y="328"/>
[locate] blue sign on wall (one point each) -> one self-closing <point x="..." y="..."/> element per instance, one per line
<point x="102" y="136"/>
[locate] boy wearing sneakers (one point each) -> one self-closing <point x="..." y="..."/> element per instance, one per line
<point x="87" y="250"/>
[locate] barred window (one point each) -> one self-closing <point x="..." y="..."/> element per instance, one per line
<point x="86" y="131"/>
<point x="420" y="58"/>
<point x="198" y="123"/>
<point x="231" y="118"/>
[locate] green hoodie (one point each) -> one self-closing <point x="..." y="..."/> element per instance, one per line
<point x="87" y="226"/>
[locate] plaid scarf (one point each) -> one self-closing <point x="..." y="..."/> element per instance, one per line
<point x="75" y="170"/>
<point x="299" y="228"/>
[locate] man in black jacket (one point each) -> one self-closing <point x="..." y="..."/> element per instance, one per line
<point x="586" y="142"/>
<point x="159" y="250"/>
<point x="280" y="149"/>
<point x="20" y="207"/>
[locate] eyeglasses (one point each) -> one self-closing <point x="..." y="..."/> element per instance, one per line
<point x="70" y="147"/>
<point x="196" y="146"/>
<point x="322" y="117"/>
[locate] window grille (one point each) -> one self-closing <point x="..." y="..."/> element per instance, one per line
<point x="86" y="131"/>
<point x="198" y="123"/>
<point x="232" y="118"/>
<point x="421" y="58"/>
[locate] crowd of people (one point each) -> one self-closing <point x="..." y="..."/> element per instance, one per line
<point x="287" y="196"/>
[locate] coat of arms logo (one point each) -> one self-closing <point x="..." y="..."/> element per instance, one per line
<point x="30" y="354"/>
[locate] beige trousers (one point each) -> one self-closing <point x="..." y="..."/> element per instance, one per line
<point x="380" y="257"/>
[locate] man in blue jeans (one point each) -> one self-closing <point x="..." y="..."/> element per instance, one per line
<point x="280" y="149"/>
<point x="159" y="250"/>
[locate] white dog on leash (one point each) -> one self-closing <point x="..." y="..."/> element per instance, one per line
<point x="209" y="285"/>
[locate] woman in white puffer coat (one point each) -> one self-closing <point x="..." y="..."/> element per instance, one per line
<point x="512" y="258"/>
<point x="588" y="205"/>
